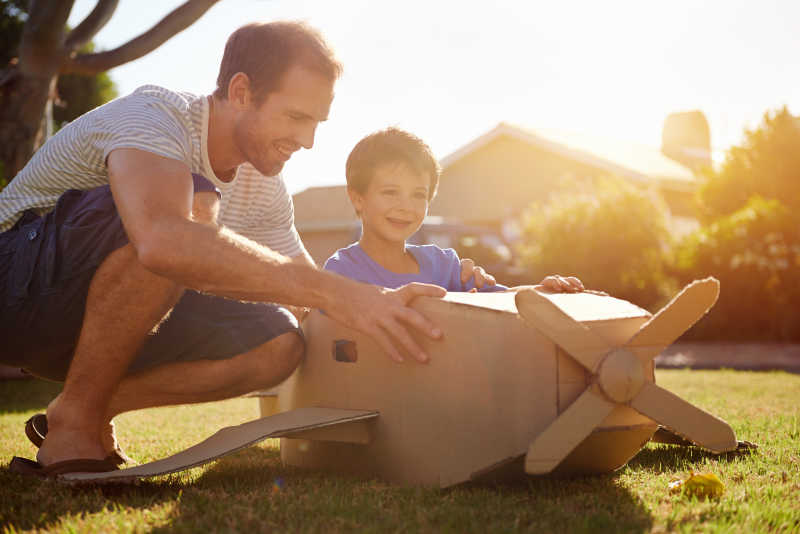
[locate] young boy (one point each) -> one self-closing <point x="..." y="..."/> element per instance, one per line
<point x="391" y="178"/>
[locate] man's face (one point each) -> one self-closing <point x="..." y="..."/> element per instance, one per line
<point x="287" y="120"/>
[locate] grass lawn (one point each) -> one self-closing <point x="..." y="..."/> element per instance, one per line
<point x="251" y="491"/>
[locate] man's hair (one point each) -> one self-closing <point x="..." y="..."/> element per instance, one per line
<point x="265" y="51"/>
<point x="390" y="146"/>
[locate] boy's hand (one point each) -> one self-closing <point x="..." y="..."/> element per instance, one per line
<point x="469" y="269"/>
<point x="384" y="315"/>
<point x="562" y="284"/>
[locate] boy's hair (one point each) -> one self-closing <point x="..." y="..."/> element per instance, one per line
<point x="391" y="145"/>
<point x="265" y="51"/>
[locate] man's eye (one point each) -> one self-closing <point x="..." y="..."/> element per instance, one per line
<point x="421" y="195"/>
<point x="389" y="192"/>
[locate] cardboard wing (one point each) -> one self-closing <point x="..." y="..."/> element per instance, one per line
<point x="232" y="439"/>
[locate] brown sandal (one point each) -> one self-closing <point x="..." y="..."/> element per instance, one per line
<point x="36" y="430"/>
<point x="24" y="466"/>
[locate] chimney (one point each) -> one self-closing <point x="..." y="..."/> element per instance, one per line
<point x="686" y="139"/>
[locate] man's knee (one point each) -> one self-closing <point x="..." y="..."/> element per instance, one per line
<point x="279" y="357"/>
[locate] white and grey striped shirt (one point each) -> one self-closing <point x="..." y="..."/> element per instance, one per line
<point x="164" y="122"/>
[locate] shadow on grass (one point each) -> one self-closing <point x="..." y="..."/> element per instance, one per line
<point x="27" y="395"/>
<point x="252" y="491"/>
<point x="679" y="457"/>
<point x="30" y="503"/>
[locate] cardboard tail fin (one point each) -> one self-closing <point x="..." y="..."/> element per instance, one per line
<point x="232" y="439"/>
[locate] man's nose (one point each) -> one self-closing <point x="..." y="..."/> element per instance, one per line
<point x="306" y="136"/>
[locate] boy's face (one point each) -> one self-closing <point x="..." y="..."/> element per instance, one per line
<point x="394" y="204"/>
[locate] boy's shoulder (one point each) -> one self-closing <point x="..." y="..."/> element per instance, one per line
<point x="433" y="252"/>
<point x="343" y="256"/>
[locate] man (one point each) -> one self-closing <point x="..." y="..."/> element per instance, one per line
<point x="124" y="237"/>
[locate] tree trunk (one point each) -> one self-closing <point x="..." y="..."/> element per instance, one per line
<point x="22" y="104"/>
<point x="25" y="86"/>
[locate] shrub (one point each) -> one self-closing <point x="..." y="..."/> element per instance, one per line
<point x="755" y="253"/>
<point x="613" y="237"/>
<point x="767" y="164"/>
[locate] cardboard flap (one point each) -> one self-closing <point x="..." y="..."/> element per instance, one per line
<point x="232" y="439"/>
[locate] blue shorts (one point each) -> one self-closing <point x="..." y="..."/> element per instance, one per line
<point x="47" y="264"/>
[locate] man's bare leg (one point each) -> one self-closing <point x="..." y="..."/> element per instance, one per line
<point x="210" y="380"/>
<point x="124" y="303"/>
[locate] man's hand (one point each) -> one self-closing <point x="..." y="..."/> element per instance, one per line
<point x="384" y="315"/>
<point x="562" y="284"/>
<point x="482" y="278"/>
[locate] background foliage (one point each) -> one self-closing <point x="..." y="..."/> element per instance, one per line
<point x="614" y="239"/>
<point x="750" y="238"/>
<point x="612" y="236"/>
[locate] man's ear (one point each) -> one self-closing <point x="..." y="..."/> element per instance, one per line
<point x="356" y="199"/>
<point x="239" y="94"/>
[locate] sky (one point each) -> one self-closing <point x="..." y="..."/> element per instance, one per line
<point x="450" y="70"/>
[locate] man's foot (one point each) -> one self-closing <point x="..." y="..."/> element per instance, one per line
<point x="36" y="429"/>
<point x="71" y="434"/>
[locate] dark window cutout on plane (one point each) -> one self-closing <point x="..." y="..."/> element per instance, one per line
<point x="344" y="350"/>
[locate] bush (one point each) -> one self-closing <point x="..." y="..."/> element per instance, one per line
<point x="755" y="253"/>
<point x="767" y="164"/>
<point x="613" y="238"/>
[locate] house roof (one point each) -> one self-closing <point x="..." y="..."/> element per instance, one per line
<point x="327" y="208"/>
<point x="622" y="158"/>
<point x="316" y="207"/>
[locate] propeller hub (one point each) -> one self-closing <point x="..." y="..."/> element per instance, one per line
<point x="621" y="375"/>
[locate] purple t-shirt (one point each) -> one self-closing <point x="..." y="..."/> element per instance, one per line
<point x="436" y="266"/>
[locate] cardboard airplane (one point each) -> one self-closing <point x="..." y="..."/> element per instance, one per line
<point x="564" y="381"/>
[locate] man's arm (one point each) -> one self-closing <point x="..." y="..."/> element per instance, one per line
<point x="153" y="195"/>
<point x="304" y="258"/>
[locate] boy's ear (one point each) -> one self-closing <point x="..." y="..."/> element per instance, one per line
<point x="356" y="199"/>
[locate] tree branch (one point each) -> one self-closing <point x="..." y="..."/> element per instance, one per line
<point x="93" y="23"/>
<point x="175" y="22"/>
<point x="40" y="49"/>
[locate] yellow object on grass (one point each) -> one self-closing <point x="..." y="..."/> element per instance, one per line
<point x="699" y="484"/>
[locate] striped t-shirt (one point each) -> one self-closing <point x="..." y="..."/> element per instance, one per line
<point x="163" y="122"/>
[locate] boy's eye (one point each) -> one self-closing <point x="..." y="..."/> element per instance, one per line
<point x="389" y="192"/>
